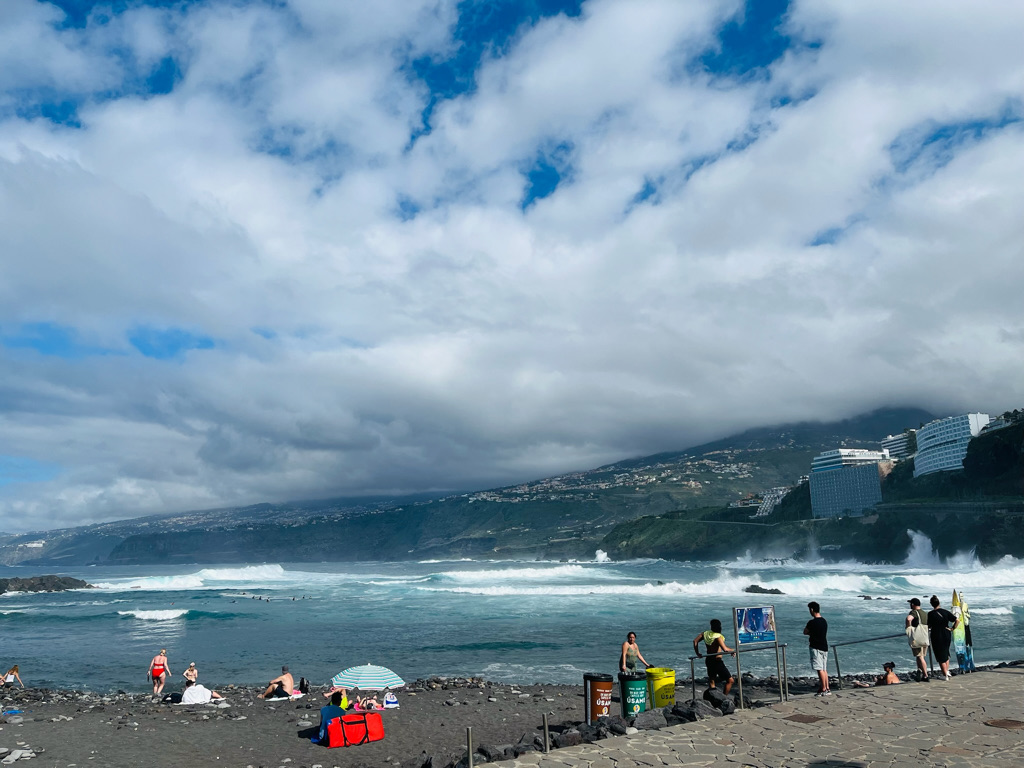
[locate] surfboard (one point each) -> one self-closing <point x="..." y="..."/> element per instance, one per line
<point x="965" y="611"/>
<point x="960" y="633"/>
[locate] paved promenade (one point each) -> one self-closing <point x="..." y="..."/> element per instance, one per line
<point x="913" y="725"/>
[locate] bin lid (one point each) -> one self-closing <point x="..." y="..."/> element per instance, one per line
<point x="599" y="677"/>
<point x="633" y="676"/>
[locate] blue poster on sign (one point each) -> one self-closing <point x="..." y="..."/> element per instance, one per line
<point x="755" y="625"/>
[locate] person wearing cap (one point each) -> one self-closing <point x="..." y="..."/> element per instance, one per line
<point x="939" y="632"/>
<point x="191" y="674"/>
<point x="916" y="618"/>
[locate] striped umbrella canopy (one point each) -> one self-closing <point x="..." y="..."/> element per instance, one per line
<point x="368" y="677"/>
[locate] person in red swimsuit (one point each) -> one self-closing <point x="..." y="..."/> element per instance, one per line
<point x="158" y="671"/>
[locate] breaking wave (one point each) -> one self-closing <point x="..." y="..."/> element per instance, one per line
<point x="250" y="575"/>
<point x="154" y="615"/>
<point x="1000" y="611"/>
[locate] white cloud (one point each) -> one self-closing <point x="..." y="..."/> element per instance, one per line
<point x="475" y="344"/>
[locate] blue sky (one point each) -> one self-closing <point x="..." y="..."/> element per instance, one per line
<point x="258" y="251"/>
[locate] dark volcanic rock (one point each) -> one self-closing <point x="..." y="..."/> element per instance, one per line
<point x="42" y="584"/>
<point x="757" y="589"/>
<point x="651" y="720"/>
<point x="695" y="709"/>
<point x="571" y="738"/>
<point x="714" y="697"/>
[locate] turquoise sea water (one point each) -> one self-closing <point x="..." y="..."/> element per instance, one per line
<point x="509" y="621"/>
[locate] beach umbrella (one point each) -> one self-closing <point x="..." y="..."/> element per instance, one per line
<point x="368" y="677"/>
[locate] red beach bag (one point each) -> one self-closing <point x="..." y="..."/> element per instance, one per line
<point x="357" y="728"/>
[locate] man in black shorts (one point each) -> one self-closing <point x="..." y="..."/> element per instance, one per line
<point x="714" y="642"/>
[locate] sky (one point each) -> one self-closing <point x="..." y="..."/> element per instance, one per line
<point x="294" y="249"/>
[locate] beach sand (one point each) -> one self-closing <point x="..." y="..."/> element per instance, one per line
<point x="131" y="730"/>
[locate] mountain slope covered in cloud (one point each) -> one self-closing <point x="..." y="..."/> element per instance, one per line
<point x="563" y="516"/>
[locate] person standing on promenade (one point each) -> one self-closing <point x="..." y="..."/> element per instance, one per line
<point x="714" y="644"/>
<point x="939" y="632"/>
<point x="817" y="636"/>
<point x="630" y="655"/>
<point x="158" y="671"/>
<point x="918" y="640"/>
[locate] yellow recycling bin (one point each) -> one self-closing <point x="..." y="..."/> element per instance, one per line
<point x="661" y="687"/>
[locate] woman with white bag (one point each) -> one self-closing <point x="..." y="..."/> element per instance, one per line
<point x="917" y="636"/>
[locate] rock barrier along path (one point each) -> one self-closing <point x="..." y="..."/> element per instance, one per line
<point x="973" y="721"/>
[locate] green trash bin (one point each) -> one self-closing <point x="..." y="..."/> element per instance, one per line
<point x="633" y="693"/>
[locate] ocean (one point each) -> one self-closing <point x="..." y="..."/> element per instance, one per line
<point x="520" y="622"/>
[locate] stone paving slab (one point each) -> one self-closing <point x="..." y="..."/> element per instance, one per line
<point x="940" y="724"/>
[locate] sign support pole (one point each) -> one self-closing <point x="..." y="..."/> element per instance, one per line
<point x="736" y="645"/>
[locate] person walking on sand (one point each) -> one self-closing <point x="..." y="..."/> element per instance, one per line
<point x="281" y="687"/>
<point x="714" y="644"/>
<point x="939" y="632"/>
<point x="817" y="637"/>
<point x="10" y="676"/>
<point x="630" y="655"/>
<point x="918" y="639"/>
<point x="158" y="671"/>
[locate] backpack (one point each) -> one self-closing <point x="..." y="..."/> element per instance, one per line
<point x="303" y="685"/>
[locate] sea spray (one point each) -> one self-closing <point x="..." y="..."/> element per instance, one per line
<point x="922" y="553"/>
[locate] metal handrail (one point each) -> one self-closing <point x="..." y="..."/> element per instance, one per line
<point x="835" y="653"/>
<point x="783" y="681"/>
<point x="869" y="640"/>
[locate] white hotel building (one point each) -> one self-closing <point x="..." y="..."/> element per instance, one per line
<point x="942" y="444"/>
<point x="846" y="482"/>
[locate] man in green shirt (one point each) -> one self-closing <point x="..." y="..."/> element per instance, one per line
<point x="714" y="643"/>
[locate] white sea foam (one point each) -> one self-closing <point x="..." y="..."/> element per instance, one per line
<point x="258" y="575"/>
<point x="154" y="615"/>
<point x="725" y="584"/>
<point x="1001" y="611"/>
<point x="600" y="556"/>
<point x="513" y="574"/>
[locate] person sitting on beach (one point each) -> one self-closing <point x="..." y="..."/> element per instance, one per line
<point x="365" y="704"/>
<point x="338" y="689"/>
<point x="198" y="694"/>
<point x="158" y="671"/>
<point x="630" y="655"/>
<point x="714" y="643"/>
<point x="329" y="712"/>
<point x="10" y="676"/>
<point x="888" y="677"/>
<point x="280" y="687"/>
<point x="191" y="674"/>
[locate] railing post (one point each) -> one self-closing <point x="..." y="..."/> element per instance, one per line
<point x="547" y="748"/>
<point x="693" y="681"/>
<point x="839" y="673"/>
<point x="785" y="672"/>
<point x="778" y="666"/>
<point x="469" y="746"/>
<point x="739" y="676"/>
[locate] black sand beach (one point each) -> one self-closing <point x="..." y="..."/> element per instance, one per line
<point x="67" y="729"/>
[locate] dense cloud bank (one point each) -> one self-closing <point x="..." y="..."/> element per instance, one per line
<point x="259" y="251"/>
